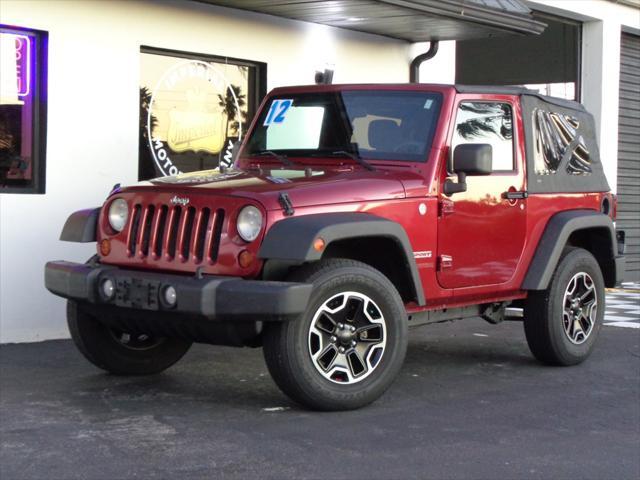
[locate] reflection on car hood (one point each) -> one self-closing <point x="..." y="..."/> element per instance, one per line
<point x="305" y="187"/>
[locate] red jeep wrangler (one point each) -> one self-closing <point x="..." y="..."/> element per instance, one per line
<point x="353" y="212"/>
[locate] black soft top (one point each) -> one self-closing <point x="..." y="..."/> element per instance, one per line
<point x="560" y="139"/>
<point x="502" y="90"/>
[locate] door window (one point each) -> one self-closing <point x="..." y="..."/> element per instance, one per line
<point x="487" y="122"/>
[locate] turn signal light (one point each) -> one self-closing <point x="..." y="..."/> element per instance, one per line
<point x="318" y="244"/>
<point x="105" y="247"/>
<point x="245" y="259"/>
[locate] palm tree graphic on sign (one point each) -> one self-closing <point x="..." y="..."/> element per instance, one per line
<point x="230" y="105"/>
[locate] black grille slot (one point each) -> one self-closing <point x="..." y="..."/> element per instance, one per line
<point x="188" y="230"/>
<point x="133" y="235"/>
<point x="173" y="232"/>
<point x="146" y="230"/>
<point x="202" y="234"/>
<point x="162" y="223"/>
<point x="217" y="233"/>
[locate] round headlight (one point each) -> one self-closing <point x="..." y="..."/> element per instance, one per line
<point x="118" y="214"/>
<point x="249" y="223"/>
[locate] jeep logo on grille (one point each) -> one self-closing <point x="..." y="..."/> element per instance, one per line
<point x="176" y="200"/>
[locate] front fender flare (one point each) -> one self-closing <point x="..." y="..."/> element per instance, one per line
<point x="291" y="239"/>
<point x="81" y="226"/>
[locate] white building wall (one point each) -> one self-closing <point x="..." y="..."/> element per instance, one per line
<point x="603" y="22"/>
<point x="92" y="139"/>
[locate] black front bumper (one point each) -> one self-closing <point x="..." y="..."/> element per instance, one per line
<point x="208" y="298"/>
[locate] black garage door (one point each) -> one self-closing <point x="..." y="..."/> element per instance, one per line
<point x="629" y="152"/>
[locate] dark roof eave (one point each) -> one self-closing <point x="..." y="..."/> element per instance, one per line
<point x="430" y="19"/>
<point x="517" y="23"/>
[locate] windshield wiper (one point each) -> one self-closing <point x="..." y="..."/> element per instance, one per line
<point x="282" y="158"/>
<point x="356" y="158"/>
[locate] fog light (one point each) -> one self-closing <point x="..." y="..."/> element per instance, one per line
<point x="108" y="288"/>
<point x="170" y="296"/>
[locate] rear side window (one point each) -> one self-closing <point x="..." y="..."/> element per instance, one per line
<point x="487" y="122"/>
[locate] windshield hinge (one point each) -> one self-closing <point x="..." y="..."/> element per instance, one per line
<point x="446" y="207"/>
<point x="444" y="262"/>
<point x="285" y="203"/>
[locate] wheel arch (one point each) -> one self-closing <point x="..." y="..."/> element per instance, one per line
<point x="586" y="229"/>
<point x="376" y="241"/>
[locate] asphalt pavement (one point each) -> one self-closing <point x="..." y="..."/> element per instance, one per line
<point x="470" y="402"/>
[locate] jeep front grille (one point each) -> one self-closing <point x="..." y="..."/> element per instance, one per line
<point x="175" y="233"/>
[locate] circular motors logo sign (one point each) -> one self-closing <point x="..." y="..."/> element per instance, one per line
<point x="193" y="114"/>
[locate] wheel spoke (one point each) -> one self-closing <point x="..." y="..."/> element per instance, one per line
<point x="577" y="328"/>
<point x="590" y="291"/>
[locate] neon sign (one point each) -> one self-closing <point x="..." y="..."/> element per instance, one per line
<point x="23" y="64"/>
<point x="16" y="65"/>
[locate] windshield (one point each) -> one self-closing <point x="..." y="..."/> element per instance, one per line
<point x="385" y="125"/>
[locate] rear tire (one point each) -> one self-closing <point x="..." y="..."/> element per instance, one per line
<point x="562" y="323"/>
<point x="349" y="345"/>
<point x="121" y="353"/>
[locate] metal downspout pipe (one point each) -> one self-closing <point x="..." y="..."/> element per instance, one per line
<point x="414" y="68"/>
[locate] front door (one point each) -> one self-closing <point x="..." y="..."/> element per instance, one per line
<point x="481" y="233"/>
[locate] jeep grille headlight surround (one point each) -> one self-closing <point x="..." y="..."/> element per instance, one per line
<point x="118" y="214"/>
<point x="249" y="223"/>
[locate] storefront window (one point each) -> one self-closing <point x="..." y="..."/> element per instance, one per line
<point x="193" y="108"/>
<point x="22" y="110"/>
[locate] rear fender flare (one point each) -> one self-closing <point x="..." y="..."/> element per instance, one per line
<point x="554" y="239"/>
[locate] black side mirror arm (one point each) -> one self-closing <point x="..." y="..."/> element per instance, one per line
<point x="450" y="187"/>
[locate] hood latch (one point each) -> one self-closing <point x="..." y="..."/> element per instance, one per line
<point x="285" y="203"/>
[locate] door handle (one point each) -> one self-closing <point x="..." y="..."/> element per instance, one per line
<point x="515" y="195"/>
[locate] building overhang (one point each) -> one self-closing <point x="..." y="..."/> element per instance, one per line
<point x="409" y="20"/>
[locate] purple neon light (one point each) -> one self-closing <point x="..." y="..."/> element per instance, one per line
<point x="23" y="59"/>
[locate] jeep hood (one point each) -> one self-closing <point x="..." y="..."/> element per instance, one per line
<point x="315" y="186"/>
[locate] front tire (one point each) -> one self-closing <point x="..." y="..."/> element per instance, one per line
<point x="118" y="352"/>
<point x="349" y="345"/>
<point x="562" y="323"/>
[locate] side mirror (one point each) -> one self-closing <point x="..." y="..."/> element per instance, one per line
<point x="469" y="159"/>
